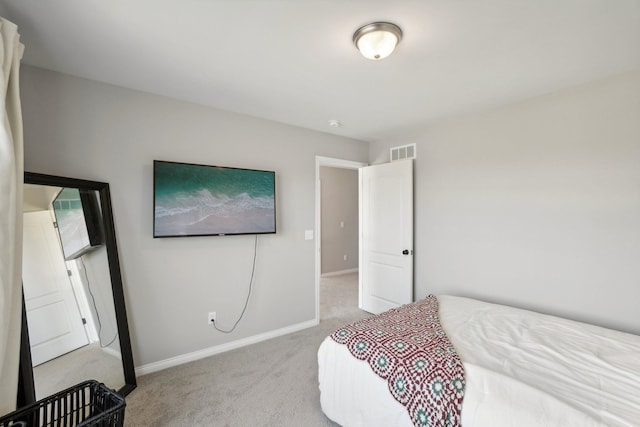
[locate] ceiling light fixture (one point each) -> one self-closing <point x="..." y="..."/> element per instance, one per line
<point x="377" y="40"/>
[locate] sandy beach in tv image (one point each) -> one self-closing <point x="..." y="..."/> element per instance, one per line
<point x="209" y="200"/>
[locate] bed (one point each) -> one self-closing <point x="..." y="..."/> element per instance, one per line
<point x="521" y="368"/>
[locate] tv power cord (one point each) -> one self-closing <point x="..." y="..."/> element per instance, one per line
<point x="246" y="303"/>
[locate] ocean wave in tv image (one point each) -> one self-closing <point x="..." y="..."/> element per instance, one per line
<point x="202" y="200"/>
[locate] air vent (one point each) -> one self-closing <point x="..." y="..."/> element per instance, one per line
<point x="403" y="152"/>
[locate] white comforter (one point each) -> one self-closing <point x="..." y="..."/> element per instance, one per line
<point x="522" y="369"/>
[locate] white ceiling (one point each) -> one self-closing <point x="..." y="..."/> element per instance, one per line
<point x="293" y="61"/>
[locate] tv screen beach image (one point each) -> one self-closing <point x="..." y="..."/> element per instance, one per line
<point x="192" y="200"/>
<point x="71" y="224"/>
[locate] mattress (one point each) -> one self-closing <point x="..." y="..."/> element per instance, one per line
<point x="522" y="369"/>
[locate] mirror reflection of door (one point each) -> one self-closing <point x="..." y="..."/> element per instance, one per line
<point x="70" y="309"/>
<point x="55" y="322"/>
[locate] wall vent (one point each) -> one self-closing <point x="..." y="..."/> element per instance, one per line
<point x="403" y="152"/>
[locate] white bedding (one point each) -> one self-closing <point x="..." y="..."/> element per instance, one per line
<point x="522" y="369"/>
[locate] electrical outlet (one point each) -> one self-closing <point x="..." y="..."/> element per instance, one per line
<point x="211" y="319"/>
<point x="345" y="257"/>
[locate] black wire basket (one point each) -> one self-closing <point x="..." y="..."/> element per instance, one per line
<point x="89" y="403"/>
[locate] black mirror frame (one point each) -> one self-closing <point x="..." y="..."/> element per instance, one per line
<point x="26" y="389"/>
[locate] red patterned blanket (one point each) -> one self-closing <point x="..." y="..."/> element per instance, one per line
<point x="408" y="347"/>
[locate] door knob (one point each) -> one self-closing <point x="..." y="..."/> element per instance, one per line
<point x="405" y="252"/>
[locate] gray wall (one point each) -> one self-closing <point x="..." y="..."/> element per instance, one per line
<point x="84" y="129"/>
<point x="536" y="204"/>
<point x="339" y="203"/>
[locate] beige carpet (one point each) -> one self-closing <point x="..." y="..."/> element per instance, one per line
<point x="74" y="367"/>
<point x="273" y="383"/>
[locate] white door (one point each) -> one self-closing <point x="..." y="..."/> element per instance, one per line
<point x="386" y="236"/>
<point x="55" y="324"/>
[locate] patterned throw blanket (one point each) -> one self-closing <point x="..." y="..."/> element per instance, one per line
<point x="408" y="347"/>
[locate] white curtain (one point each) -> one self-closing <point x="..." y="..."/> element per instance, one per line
<point x="11" y="180"/>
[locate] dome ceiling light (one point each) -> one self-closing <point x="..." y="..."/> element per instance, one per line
<point x="377" y="40"/>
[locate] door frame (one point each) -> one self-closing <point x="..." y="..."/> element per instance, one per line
<point x="333" y="163"/>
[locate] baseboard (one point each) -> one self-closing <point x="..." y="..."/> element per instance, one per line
<point x="201" y="354"/>
<point x="339" y="273"/>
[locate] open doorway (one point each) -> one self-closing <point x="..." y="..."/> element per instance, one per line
<point x="337" y="237"/>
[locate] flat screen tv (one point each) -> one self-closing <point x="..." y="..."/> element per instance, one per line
<point x="199" y="200"/>
<point x="79" y="221"/>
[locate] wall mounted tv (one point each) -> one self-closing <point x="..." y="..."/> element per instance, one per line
<point x="79" y="221"/>
<point x="199" y="200"/>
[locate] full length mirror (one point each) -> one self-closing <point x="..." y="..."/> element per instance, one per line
<point x="73" y="297"/>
